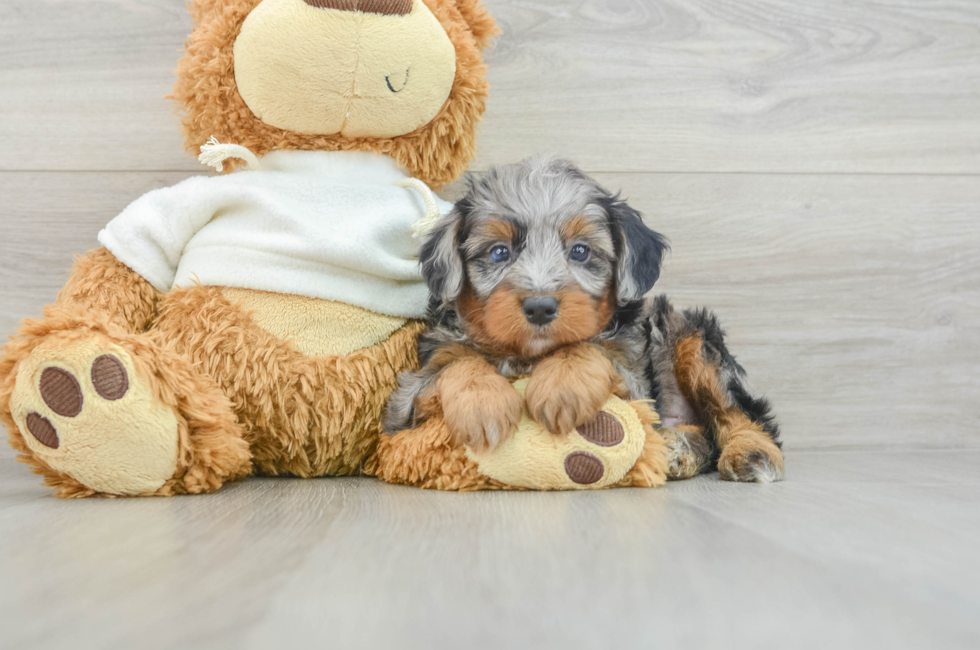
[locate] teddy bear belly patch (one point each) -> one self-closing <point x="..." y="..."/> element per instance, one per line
<point x="316" y="327"/>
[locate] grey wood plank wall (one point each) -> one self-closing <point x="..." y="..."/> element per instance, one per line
<point x="816" y="165"/>
<point x="619" y="85"/>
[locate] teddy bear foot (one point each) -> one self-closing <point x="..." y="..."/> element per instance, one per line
<point x="96" y="417"/>
<point x="84" y="411"/>
<point x="618" y="447"/>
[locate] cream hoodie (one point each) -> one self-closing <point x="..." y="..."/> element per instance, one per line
<point x="331" y="225"/>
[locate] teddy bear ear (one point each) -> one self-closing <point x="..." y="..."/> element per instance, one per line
<point x="482" y="24"/>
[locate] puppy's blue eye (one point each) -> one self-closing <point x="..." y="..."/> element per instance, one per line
<point x="579" y="253"/>
<point x="500" y="254"/>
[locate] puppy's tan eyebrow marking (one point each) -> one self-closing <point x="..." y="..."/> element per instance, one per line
<point x="576" y="228"/>
<point x="496" y="229"/>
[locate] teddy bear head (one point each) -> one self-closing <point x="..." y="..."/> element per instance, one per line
<point x="400" y="77"/>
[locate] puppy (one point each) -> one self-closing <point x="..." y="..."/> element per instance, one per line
<point x="541" y="272"/>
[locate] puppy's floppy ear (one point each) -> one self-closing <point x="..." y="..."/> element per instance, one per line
<point x="640" y="251"/>
<point x="442" y="263"/>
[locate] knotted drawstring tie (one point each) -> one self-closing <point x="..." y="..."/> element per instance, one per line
<point x="214" y="154"/>
<point x="432" y="214"/>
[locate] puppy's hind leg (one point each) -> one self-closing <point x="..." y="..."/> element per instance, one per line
<point x="688" y="451"/>
<point x="739" y="428"/>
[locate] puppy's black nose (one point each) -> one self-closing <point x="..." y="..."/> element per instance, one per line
<point x="540" y="310"/>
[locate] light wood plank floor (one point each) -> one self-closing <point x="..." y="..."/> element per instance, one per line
<point x="857" y="550"/>
<point x="817" y="168"/>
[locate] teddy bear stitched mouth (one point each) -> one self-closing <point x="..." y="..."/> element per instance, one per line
<point x="392" y="88"/>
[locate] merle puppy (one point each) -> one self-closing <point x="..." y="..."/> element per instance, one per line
<point x="541" y="272"/>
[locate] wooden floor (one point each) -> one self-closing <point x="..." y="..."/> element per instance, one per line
<point x="857" y="550"/>
<point x="817" y="168"/>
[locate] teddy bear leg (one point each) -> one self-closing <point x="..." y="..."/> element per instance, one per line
<point x="99" y="411"/>
<point x="427" y="457"/>
<point x="651" y="468"/>
<point x="619" y="447"/>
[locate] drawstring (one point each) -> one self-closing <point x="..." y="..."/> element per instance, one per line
<point x="214" y="154"/>
<point x="432" y="214"/>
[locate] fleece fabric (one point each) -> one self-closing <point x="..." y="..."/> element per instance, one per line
<point x="332" y="225"/>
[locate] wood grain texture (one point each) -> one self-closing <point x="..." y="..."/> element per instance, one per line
<point x="619" y="85"/>
<point x="84" y="84"/>
<point x="49" y="218"/>
<point x="854" y="302"/>
<point x="757" y="85"/>
<point x="855" y="550"/>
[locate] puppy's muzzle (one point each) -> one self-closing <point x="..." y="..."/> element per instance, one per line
<point x="540" y="310"/>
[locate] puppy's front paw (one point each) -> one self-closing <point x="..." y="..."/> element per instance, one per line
<point x="751" y="457"/>
<point x="568" y="390"/>
<point x="483" y="411"/>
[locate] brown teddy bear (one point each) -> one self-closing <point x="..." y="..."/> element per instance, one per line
<point x="255" y="322"/>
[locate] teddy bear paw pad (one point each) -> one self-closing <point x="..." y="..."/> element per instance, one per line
<point x="85" y="412"/>
<point x="584" y="468"/>
<point x="42" y="429"/>
<point x="605" y="430"/>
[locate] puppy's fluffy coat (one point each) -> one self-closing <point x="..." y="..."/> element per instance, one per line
<point x="539" y="271"/>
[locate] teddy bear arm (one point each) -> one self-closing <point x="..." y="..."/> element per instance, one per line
<point x="100" y="284"/>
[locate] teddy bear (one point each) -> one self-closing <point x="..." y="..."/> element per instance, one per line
<point x="254" y="322"/>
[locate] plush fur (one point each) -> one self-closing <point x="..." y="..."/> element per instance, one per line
<point x="542" y="229"/>
<point x="431" y="459"/>
<point x="302" y="416"/>
<point x="437" y="153"/>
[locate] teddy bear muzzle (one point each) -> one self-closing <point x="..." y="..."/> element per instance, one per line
<point x="369" y="68"/>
